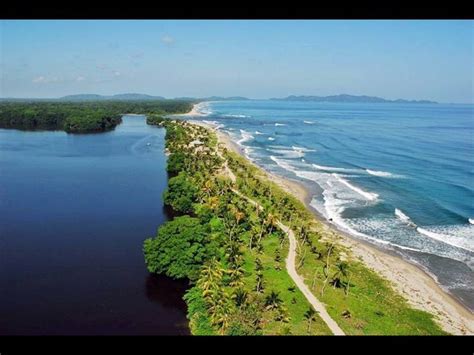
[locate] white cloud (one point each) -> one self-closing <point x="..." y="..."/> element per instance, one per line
<point x="168" y="40"/>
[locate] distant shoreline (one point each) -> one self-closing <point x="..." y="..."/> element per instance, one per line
<point x="412" y="282"/>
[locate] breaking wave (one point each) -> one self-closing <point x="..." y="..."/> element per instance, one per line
<point x="368" y="195"/>
<point x="379" y="173"/>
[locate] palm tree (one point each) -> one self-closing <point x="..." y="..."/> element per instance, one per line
<point x="310" y="316"/>
<point x="211" y="278"/>
<point x="259" y="282"/>
<point x="272" y="301"/>
<point x="208" y="186"/>
<point x="341" y="271"/>
<point x="213" y="202"/>
<point x="326" y="267"/>
<point x="271" y="221"/>
<point x="240" y="297"/>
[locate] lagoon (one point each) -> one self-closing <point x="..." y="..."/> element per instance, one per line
<point x="75" y="210"/>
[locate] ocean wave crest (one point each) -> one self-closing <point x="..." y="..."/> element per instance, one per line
<point x="235" y="116"/>
<point x="403" y="217"/>
<point x="371" y="196"/>
<point x="246" y="136"/>
<point x="379" y="173"/>
<point x="455" y="236"/>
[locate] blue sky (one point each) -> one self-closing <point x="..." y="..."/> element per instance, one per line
<point x="259" y="59"/>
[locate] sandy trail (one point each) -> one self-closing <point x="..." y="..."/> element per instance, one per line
<point x="291" y="269"/>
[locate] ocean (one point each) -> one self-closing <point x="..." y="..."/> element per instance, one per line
<point x="399" y="176"/>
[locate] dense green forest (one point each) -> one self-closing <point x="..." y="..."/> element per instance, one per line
<point x="82" y="117"/>
<point x="234" y="254"/>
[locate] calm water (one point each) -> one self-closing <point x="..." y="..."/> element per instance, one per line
<point x="400" y="176"/>
<point x="75" y="210"/>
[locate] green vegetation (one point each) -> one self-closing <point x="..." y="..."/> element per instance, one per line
<point x="358" y="299"/>
<point x="241" y="287"/>
<point x="82" y="117"/>
<point x="179" y="248"/>
<point x="234" y="253"/>
<point x="181" y="193"/>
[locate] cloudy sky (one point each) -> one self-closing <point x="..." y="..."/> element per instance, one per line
<point x="259" y="59"/>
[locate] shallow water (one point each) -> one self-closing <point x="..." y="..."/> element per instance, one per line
<point x="75" y="210"/>
<point x="398" y="175"/>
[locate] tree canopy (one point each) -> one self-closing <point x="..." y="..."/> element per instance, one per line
<point x="179" y="249"/>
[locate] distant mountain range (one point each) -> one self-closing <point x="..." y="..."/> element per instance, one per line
<point x="118" y="97"/>
<point x="144" y="97"/>
<point x="351" y="98"/>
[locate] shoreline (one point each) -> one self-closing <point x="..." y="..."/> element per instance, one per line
<point x="408" y="279"/>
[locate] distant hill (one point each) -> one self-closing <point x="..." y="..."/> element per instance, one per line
<point x="351" y="98"/>
<point x="118" y="97"/>
<point x="142" y="97"/>
<point x="213" y="98"/>
<point x="230" y="98"/>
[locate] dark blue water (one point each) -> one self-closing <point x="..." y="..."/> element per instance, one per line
<point x="74" y="212"/>
<point x="400" y="176"/>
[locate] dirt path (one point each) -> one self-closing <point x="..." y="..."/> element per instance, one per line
<point x="290" y="260"/>
<point x="291" y="269"/>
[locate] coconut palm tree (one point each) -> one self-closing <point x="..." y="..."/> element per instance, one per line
<point x="240" y="297"/>
<point x="310" y="316"/>
<point x="259" y="282"/>
<point x="327" y="266"/>
<point x="341" y="271"/>
<point x="272" y="301"/>
<point x="271" y="222"/>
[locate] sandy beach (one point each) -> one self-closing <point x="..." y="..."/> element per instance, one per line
<point x="418" y="287"/>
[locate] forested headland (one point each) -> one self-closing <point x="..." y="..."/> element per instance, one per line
<point x="233" y="254"/>
<point x="81" y="117"/>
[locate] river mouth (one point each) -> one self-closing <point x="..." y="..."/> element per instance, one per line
<point x="75" y="212"/>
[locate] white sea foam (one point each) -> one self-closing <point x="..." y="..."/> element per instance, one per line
<point x="282" y="164"/>
<point x="403" y="217"/>
<point x="302" y="149"/>
<point x="284" y="152"/>
<point x="280" y="124"/>
<point x="368" y="195"/>
<point x="236" y="116"/>
<point x="379" y="173"/>
<point x="259" y="133"/>
<point x="332" y="168"/>
<point x="271" y="138"/>
<point x="309" y="122"/>
<point x="210" y="122"/>
<point x="334" y="211"/>
<point x="465" y="242"/>
<point x="246" y="136"/>
<point x="471" y="220"/>
<point x="203" y="108"/>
